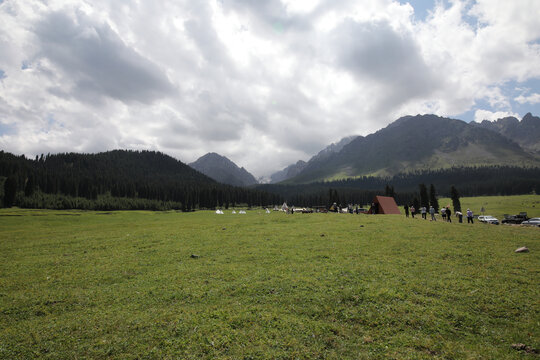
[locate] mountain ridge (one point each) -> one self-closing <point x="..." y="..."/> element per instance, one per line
<point x="525" y="132"/>
<point x="296" y="168"/>
<point x="223" y="170"/>
<point x="415" y="143"/>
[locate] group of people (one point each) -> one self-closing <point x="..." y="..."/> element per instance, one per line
<point x="446" y="213"/>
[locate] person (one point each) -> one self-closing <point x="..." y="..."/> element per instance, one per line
<point x="459" y="214"/>
<point x="432" y="213"/>
<point x="469" y="216"/>
<point x="443" y="213"/>
<point x="424" y="212"/>
<point x="406" y="207"/>
<point x="412" y="211"/>
<point x="448" y="214"/>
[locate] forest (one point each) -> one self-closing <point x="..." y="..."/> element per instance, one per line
<point x="405" y="187"/>
<point x="116" y="180"/>
<point x="149" y="180"/>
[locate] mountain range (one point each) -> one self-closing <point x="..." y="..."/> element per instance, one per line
<point x="223" y="170"/>
<point x="426" y="142"/>
<point x="525" y="132"/>
<point x="410" y="143"/>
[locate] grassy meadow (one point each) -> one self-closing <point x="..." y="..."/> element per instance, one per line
<point x="124" y="285"/>
<point x="499" y="205"/>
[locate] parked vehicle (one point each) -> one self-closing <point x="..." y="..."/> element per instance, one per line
<point x="488" y="219"/>
<point x="515" y="219"/>
<point x="532" y="221"/>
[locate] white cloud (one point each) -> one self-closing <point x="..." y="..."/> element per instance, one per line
<point x="480" y="115"/>
<point x="265" y="83"/>
<point x="530" y="99"/>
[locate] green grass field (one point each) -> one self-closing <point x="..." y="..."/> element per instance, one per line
<point x="499" y="205"/>
<point x="123" y="285"/>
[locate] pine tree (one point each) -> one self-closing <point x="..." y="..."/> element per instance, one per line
<point x="424" y="200"/>
<point x="433" y="198"/>
<point x="454" y="195"/>
<point x="10" y="190"/>
<point x="30" y="186"/>
<point x="416" y="205"/>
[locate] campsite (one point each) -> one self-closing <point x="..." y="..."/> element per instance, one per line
<point x="139" y="284"/>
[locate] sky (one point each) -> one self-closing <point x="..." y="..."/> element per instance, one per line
<point x="264" y="82"/>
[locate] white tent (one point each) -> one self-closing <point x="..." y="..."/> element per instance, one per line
<point x="234" y="212"/>
<point x="267" y="211"/>
<point x="284" y="207"/>
<point x="219" y="212"/>
<point x="241" y="212"/>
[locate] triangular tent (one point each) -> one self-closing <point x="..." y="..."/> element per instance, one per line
<point x="384" y="205"/>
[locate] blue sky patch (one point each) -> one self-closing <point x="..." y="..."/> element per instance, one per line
<point x="6" y="129"/>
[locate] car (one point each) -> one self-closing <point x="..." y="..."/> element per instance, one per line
<point x="515" y="219"/>
<point x="532" y="221"/>
<point x="488" y="219"/>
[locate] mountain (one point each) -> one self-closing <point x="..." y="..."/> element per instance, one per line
<point x="295" y="169"/>
<point x="223" y="170"/>
<point x="289" y="172"/>
<point x="525" y="132"/>
<point x="417" y="143"/>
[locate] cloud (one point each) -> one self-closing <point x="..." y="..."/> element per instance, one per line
<point x="530" y="99"/>
<point x="97" y="61"/>
<point x="265" y="83"/>
<point x="480" y="115"/>
<point x="387" y="60"/>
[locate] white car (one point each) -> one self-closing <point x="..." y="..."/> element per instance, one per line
<point x="488" y="219"/>
<point x="532" y="221"/>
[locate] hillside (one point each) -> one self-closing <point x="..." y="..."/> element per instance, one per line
<point x="108" y="179"/>
<point x="223" y="170"/>
<point x="525" y="132"/>
<point x="289" y="172"/>
<point x="417" y="143"/>
<point x="295" y="169"/>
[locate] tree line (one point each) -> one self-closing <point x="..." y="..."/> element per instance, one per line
<point x="149" y="180"/>
<point x="120" y="179"/>
<point x="405" y="187"/>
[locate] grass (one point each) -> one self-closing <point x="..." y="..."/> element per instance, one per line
<point x="123" y="285"/>
<point x="499" y="205"/>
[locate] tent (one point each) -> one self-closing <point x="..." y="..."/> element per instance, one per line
<point x="384" y="205"/>
<point x="284" y="207"/>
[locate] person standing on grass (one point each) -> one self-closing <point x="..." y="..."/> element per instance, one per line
<point x="412" y="211"/>
<point x="406" y="207"/>
<point x="469" y="216"/>
<point x="443" y="213"/>
<point x="432" y="213"/>
<point x="448" y="214"/>
<point x="424" y="212"/>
